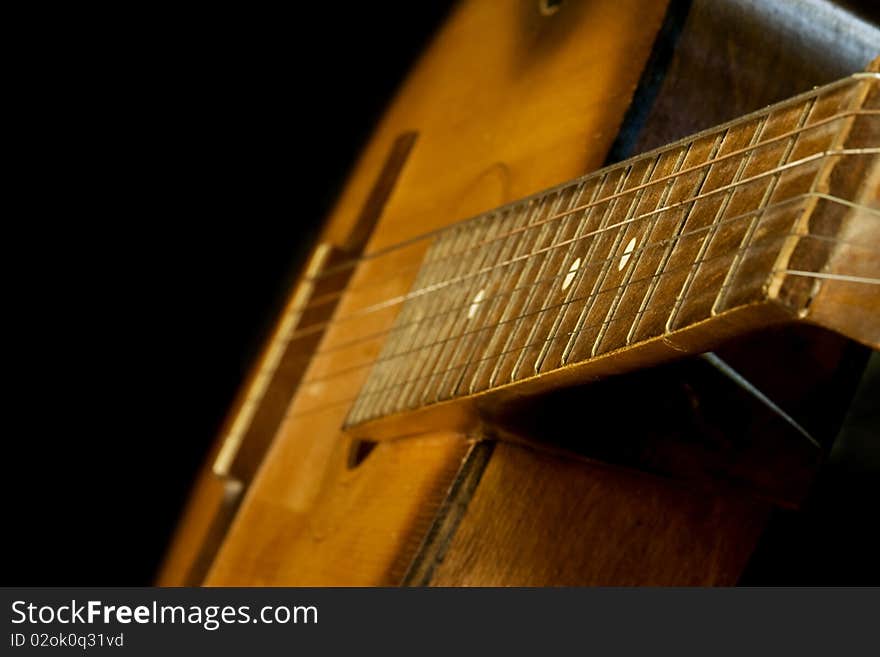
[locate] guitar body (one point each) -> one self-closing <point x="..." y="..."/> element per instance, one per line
<point x="665" y="477"/>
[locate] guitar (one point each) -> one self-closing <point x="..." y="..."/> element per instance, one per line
<point x="497" y="368"/>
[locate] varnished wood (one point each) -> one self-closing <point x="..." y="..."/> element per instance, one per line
<point x="540" y="520"/>
<point x="263" y="399"/>
<point x="486" y="137"/>
<point x="352" y="527"/>
<point x="506" y="102"/>
<point x="785" y="210"/>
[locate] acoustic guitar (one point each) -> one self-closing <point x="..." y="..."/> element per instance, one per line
<point x="589" y="310"/>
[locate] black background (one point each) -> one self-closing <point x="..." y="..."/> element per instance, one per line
<point x="173" y="169"/>
<point x="167" y="172"/>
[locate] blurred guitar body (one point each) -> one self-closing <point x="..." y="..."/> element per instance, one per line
<point x="647" y="471"/>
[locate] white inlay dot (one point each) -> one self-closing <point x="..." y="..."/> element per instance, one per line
<point x="569" y="277"/>
<point x="475" y="304"/>
<point x="627" y="252"/>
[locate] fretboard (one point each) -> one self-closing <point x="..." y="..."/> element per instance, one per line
<point x="630" y="253"/>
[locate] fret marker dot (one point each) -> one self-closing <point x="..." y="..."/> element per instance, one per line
<point x="476" y="303"/>
<point x="627" y="252"/>
<point x="569" y="277"/>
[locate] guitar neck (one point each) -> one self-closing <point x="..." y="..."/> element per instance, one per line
<point x="664" y="254"/>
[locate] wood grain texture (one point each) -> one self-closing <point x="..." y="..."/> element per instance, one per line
<point x="361" y="527"/>
<point x="710" y="234"/>
<point x="506" y="102"/>
<point x="538" y="520"/>
<point x="737" y="56"/>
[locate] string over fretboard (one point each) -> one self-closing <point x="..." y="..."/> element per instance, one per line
<point x="628" y="254"/>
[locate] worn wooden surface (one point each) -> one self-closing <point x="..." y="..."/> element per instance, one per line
<point x="538" y="520"/>
<point x="506" y="102"/>
<point x="664" y="248"/>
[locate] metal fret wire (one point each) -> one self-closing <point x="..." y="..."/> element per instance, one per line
<point x="558" y="235"/>
<point x="854" y="80"/>
<point x="601" y="182"/>
<point x="566" y="258"/>
<point x="522" y="247"/>
<point x="637" y="260"/>
<point x="552" y="338"/>
<point x="569" y="347"/>
<point x="563" y="261"/>
<point x="755" y="214"/>
<point x="568" y="301"/>
<point x="387" y="303"/>
<point x="602" y="226"/>
<point x="425" y="359"/>
<point x="363" y="365"/>
<point x="606" y="216"/>
<point x="734" y="269"/>
<point x="691" y="201"/>
<point x="522" y="203"/>
<point x="771" y="185"/>
<point x="426" y="356"/>
<point x="565" y="335"/>
<point x="329" y="297"/>
<point x="606" y="264"/>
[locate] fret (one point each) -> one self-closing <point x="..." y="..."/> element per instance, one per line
<point x="850" y="173"/>
<point x="410" y="386"/>
<point x="719" y="249"/>
<point x="598" y="265"/>
<point x="397" y="361"/>
<point x="567" y="267"/>
<point x="402" y="360"/>
<point x="524" y="286"/>
<point x="456" y="352"/>
<point x="633" y="252"/>
<point x="490" y="311"/>
<point x="516" y="277"/>
<point x="620" y="316"/>
<point x="619" y="252"/>
<point x="550" y="290"/>
<point x="598" y="221"/>
<point x="533" y="299"/>
<point x="704" y="263"/>
<point x="696" y="212"/>
<point x="748" y="272"/>
<point x="687" y="253"/>
<point x="433" y="270"/>
<point x="681" y="260"/>
<point x="670" y="227"/>
<point x="514" y="220"/>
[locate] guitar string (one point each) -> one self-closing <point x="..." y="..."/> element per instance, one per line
<point x="834" y="277"/>
<point x="658" y="275"/>
<point x="597" y="176"/>
<point x="386" y="383"/>
<point x="760" y="212"/>
<point x="388" y="303"/>
<point x="854" y="80"/>
<point x="550" y="279"/>
<point x="454" y="338"/>
<point x="400" y="327"/>
<point x="600" y="177"/>
<point x="396" y="300"/>
<point x="567" y="334"/>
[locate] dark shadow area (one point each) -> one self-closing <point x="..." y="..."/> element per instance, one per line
<point x="179" y="166"/>
<point x="833" y="540"/>
<point x="183" y="163"/>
